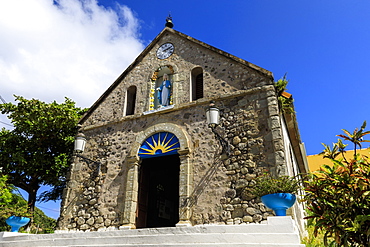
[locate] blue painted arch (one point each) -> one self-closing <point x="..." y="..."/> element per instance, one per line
<point x="159" y="144"/>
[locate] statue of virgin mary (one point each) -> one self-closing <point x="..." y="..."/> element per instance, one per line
<point x="164" y="91"/>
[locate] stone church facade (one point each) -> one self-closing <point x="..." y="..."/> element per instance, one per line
<point x="161" y="165"/>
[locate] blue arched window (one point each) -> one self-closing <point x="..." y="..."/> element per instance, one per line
<point x="159" y="144"/>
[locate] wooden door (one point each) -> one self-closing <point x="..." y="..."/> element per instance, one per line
<point x="142" y="205"/>
<point x="158" y="197"/>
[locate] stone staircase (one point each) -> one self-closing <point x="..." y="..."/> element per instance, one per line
<point x="278" y="231"/>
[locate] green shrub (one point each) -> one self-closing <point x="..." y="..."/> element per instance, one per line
<point x="267" y="184"/>
<point x="338" y="196"/>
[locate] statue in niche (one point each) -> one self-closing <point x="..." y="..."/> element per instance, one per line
<point x="164" y="91"/>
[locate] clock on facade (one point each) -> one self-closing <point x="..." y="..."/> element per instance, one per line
<point x="165" y="50"/>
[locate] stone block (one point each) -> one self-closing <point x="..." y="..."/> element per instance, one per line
<point x="236" y="140"/>
<point x="248" y="218"/>
<point x="241" y="183"/>
<point x="107" y="222"/>
<point x="99" y="220"/>
<point x="90" y="221"/>
<point x="251" y="211"/>
<point x="80" y="221"/>
<point x="257" y="218"/>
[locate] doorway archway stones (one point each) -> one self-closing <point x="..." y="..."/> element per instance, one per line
<point x="185" y="176"/>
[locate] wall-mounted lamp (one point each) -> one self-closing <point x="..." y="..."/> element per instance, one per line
<point x="213" y="119"/>
<point x="80" y="143"/>
<point x="213" y="115"/>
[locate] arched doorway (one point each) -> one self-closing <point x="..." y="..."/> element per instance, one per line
<point x="158" y="197"/>
<point x="135" y="159"/>
<point x="158" y="194"/>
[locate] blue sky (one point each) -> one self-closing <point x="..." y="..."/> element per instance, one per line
<point x="49" y="51"/>
<point x="323" y="46"/>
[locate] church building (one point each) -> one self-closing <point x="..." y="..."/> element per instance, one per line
<point x="177" y="140"/>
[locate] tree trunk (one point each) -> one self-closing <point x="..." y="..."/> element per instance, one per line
<point x="32" y="200"/>
<point x="32" y="195"/>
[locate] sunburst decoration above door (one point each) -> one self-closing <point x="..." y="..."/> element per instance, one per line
<point x="159" y="144"/>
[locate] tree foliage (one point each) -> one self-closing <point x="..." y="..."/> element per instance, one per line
<point x="37" y="150"/>
<point x="18" y="206"/>
<point x="42" y="223"/>
<point x="338" y="196"/>
<point x="9" y="201"/>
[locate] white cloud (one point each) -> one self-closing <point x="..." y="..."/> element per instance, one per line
<point x="74" y="48"/>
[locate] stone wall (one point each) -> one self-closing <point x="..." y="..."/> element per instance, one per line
<point x="219" y="187"/>
<point x="213" y="190"/>
<point x="222" y="75"/>
<point x="255" y="146"/>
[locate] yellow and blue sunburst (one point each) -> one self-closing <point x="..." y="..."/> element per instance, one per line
<point x="159" y="144"/>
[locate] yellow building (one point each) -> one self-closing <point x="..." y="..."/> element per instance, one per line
<point x="317" y="160"/>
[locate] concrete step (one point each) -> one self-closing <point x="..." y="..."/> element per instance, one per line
<point x="196" y="245"/>
<point x="187" y="245"/>
<point x="180" y="245"/>
<point x="278" y="231"/>
<point x="210" y="238"/>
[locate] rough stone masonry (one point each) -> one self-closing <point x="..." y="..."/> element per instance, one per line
<point x="212" y="190"/>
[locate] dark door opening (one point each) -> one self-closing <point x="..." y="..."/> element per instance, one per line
<point x="158" y="202"/>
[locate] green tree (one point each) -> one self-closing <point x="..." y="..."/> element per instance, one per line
<point x="37" y="150"/>
<point x="338" y="196"/>
<point x="42" y="223"/>
<point x="5" y="195"/>
<point x="12" y="203"/>
<point x="9" y="201"/>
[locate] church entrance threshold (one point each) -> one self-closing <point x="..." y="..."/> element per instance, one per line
<point x="158" y="202"/>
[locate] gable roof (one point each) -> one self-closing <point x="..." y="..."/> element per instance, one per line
<point x="150" y="46"/>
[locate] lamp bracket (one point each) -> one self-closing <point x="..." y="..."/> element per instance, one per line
<point x="224" y="144"/>
<point x="90" y="161"/>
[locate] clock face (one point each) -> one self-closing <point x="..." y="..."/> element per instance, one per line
<point x="165" y="50"/>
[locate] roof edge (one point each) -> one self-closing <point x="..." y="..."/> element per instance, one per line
<point x="150" y="46"/>
<point x="296" y="142"/>
<point x="120" y="77"/>
<point x="226" y="54"/>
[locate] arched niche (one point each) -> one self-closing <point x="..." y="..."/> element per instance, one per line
<point x="156" y="81"/>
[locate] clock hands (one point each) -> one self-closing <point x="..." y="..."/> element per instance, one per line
<point x="165" y="51"/>
<point x="169" y="48"/>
